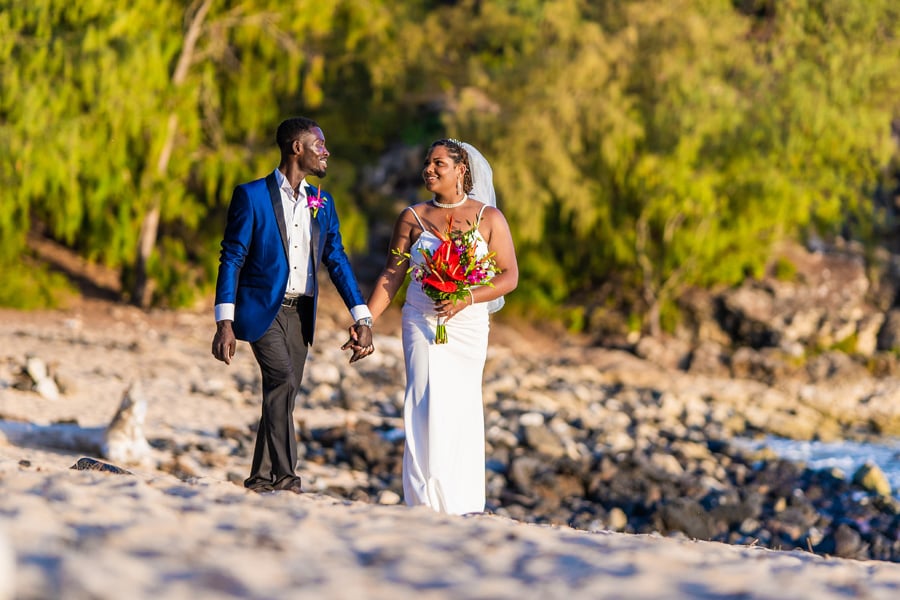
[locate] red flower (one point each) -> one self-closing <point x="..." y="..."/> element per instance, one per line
<point x="444" y="268"/>
<point x="435" y="281"/>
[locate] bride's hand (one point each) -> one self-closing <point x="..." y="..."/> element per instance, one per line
<point x="447" y="309"/>
<point x="361" y="344"/>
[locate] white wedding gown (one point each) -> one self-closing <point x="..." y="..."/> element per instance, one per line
<point x="443" y="460"/>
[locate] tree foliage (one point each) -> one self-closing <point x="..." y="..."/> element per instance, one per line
<point x="119" y="119"/>
<point x="643" y="146"/>
<point x="670" y="144"/>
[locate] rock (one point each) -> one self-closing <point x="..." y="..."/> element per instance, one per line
<point x="498" y="436"/>
<point x="889" y="334"/>
<point x="747" y="315"/>
<point x="848" y="543"/>
<point x="617" y="520"/>
<point x="872" y="479"/>
<point x="44" y="384"/>
<point x="92" y="464"/>
<point x="672" y="353"/>
<point x="688" y="516"/>
<point x="522" y="471"/>
<point x="544" y="441"/>
<point x="708" y="358"/>
<point x="322" y="372"/>
<point x="666" y="463"/>
<point x="389" y="497"/>
<point x="867" y="330"/>
<point x="749" y="526"/>
<point x="827" y="307"/>
<point x="531" y="419"/>
<point x="834" y="365"/>
<point x="367" y="450"/>
<point x="744" y="514"/>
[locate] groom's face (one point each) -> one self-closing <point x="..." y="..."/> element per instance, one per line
<point x="313" y="154"/>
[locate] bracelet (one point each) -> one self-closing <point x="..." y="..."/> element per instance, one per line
<point x="367" y="321"/>
<point x="471" y="295"/>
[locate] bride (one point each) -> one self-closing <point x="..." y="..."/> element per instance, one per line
<point x="443" y="459"/>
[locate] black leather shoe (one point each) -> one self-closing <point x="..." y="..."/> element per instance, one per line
<point x="289" y="484"/>
<point x="261" y="488"/>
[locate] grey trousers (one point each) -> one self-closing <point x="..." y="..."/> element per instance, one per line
<point x="281" y="354"/>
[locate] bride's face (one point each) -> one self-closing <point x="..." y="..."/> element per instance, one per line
<point x="441" y="172"/>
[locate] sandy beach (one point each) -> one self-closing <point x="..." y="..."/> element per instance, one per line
<point x="147" y="533"/>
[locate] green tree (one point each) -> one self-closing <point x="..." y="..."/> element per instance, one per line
<point x="127" y="127"/>
<point x="639" y="146"/>
<point x="671" y="144"/>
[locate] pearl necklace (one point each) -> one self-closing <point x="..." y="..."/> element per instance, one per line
<point x="454" y="205"/>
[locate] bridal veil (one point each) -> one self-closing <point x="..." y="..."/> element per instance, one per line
<point x="483" y="191"/>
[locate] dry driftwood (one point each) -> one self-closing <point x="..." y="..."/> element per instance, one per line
<point x="122" y="441"/>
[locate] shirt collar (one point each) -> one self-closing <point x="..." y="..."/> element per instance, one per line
<point x="285" y="185"/>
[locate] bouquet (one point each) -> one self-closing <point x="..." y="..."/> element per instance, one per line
<point x="448" y="271"/>
<point x="314" y="203"/>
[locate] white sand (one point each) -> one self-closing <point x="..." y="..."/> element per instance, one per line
<point x="94" y="535"/>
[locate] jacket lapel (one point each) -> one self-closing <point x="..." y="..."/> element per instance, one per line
<point x="275" y="197"/>
<point x="315" y="231"/>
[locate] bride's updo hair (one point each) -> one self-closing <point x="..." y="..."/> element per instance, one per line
<point x="458" y="154"/>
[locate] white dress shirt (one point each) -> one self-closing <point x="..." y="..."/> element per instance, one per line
<point x="298" y="226"/>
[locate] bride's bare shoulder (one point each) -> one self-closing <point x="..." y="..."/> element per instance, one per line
<point x="490" y="214"/>
<point x="420" y="208"/>
<point x="411" y="217"/>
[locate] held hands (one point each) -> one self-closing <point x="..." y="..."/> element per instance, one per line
<point x="224" y="343"/>
<point x="360" y="342"/>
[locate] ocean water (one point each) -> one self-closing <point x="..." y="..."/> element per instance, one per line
<point x="846" y="456"/>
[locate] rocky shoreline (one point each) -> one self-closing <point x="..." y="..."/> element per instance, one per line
<point x="592" y="438"/>
<point x="616" y="443"/>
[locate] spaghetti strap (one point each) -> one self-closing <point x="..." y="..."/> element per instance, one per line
<point x="422" y="225"/>
<point x="480" y="212"/>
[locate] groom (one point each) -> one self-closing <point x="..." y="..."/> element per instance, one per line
<point x="279" y="230"/>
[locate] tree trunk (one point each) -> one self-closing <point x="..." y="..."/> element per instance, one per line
<point x="142" y="291"/>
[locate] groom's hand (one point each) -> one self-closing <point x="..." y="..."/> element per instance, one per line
<point x="224" y="343"/>
<point x="360" y="342"/>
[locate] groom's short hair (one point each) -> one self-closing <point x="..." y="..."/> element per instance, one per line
<point x="290" y="130"/>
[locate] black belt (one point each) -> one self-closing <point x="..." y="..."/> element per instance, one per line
<point x="291" y="302"/>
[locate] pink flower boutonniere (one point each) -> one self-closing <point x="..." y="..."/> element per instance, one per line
<point x="314" y="203"/>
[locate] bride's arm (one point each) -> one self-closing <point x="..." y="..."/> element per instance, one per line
<point x="393" y="274"/>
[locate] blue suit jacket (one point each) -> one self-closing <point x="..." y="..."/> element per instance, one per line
<point x="253" y="263"/>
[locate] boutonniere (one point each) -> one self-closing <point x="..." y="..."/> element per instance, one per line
<point x="314" y="203"/>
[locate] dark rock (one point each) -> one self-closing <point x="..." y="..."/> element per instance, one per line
<point x="889" y="334"/>
<point x="688" y="516"/>
<point x="738" y="513"/>
<point x="848" y="543"/>
<point x="91" y="464"/>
